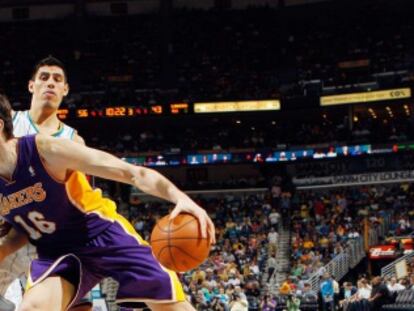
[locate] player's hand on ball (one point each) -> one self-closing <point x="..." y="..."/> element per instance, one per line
<point x="186" y="205"/>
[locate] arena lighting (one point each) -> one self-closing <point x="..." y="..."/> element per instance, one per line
<point x="364" y="97"/>
<point x="253" y="105"/>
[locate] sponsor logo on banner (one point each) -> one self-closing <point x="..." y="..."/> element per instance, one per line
<point x="364" y="97"/>
<point x="382" y="252"/>
<point x="356" y="179"/>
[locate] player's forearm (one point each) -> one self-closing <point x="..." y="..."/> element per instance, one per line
<point x="64" y="154"/>
<point x="12" y="243"/>
<point x="154" y="183"/>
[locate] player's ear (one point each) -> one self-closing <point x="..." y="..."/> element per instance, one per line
<point x="66" y="89"/>
<point x="30" y="86"/>
<point x="1" y="127"/>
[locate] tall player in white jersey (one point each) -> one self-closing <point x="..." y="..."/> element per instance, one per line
<point x="48" y="86"/>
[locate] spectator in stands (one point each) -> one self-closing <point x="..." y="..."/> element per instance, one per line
<point x="238" y="303"/>
<point x="272" y="238"/>
<point x="217" y="304"/>
<point x="285" y="289"/>
<point x="394" y="286"/>
<point x="359" y="301"/>
<point x="380" y="294"/>
<point x="292" y="303"/>
<point x="336" y="290"/>
<point x="364" y="289"/>
<point x="268" y="303"/>
<point x="348" y="291"/>
<point x="200" y="302"/>
<point x="308" y="294"/>
<point x="327" y="292"/>
<point x="271" y="266"/>
<point x="274" y="219"/>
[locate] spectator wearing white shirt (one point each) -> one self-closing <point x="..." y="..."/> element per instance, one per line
<point x="239" y="303"/>
<point x="272" y="237"/>
<point x="394" y="286"/>
<point x="364" y="289"/>
<point x="274" y="218"/>
<point x="233" y="280"/>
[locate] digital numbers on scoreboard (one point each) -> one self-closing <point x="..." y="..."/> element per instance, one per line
<point x="82" y="113"/>
<point x="127" y="111"/>
<point x="119" y="112"/>
<point x="62" y="114"/>
<point x="116" y="112"/>
<point x="179" y="108"/>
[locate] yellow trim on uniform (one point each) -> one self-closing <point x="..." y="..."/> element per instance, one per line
<point x="29" y="282"/>
<point x="89" y="200"/>
<point x="176" y="287"/>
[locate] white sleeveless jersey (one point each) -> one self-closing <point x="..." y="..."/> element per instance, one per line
<point x="24" y="125"/>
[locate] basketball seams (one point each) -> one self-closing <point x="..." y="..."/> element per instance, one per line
<point x="179" y="253"/>
<point x="169" y="246"/>
<point x="184" y="238"/>
<point x="172" y="258"/>
<point x="175" y="229"/>
<point x="161" y="250"/>
<point x="186" y="253"/>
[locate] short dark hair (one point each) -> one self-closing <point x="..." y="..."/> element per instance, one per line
<point x="49" y="61"/>
<point x="5" y="115"/>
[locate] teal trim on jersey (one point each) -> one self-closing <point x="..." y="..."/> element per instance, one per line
<point x="31" y="122"/>
<point x="73" y="134"/>
<point x="37" y="129"/>
<point x="15" y="115"/>
<point x="60" y="131"/>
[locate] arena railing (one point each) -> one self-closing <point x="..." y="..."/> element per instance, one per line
<point x="390" y="270"/>
<point x="340" y="265"/>
<point x="353" y="253"/>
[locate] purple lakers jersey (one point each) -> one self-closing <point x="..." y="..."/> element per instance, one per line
<point x="55" y="215"/>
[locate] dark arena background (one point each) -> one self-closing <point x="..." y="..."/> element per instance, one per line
<point x="290" y="121"/>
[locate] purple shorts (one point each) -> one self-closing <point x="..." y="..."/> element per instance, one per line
<point x="115" y="253"/>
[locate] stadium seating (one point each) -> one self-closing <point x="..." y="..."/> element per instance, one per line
<point x="403" y="302"/>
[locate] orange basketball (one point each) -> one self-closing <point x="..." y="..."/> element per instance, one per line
<point x="177" y="243"/>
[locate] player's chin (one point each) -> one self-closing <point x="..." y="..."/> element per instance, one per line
<point x="51" y="104"/>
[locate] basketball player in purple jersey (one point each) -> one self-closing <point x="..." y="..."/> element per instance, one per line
<point x="48" y="86"/>
<point x="79" y="237"/>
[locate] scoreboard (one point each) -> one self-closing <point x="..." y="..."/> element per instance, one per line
<point x="123" y="111"/>
<point x="170" y="109"/>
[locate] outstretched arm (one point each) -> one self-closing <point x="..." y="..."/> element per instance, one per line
<point x="62" y="156"/>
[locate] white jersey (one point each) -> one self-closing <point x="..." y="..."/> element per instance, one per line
<point x="14" y="267"/>
<point x="24" y="125"/>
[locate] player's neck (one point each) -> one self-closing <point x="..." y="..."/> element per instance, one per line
<point x="43" y="118"/>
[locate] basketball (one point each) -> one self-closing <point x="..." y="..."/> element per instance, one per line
<point x="177" y="243"/>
